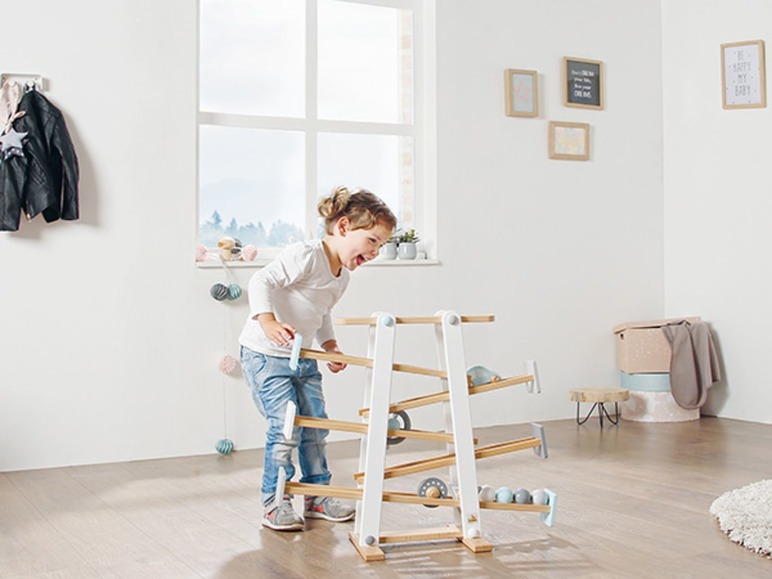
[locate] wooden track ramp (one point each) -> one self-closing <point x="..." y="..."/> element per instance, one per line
<point x="445" y="396"/>
<point x="450" y="459"/>
<point x="361" y="428"/>
<point x="354" y="494"/>
<point x="368" y="363"/>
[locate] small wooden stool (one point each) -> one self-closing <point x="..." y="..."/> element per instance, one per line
<point x="599" y="397"/>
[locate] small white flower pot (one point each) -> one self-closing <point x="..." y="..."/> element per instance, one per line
<point x="389" y="250"/>
<point x="407" y="250"/>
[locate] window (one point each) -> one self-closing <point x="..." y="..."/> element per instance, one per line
<point x="299" y="96"/>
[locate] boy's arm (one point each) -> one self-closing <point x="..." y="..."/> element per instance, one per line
<point x="279" y="333"/>
<point x="332" y="346"/>
<point x="283" y="271"/>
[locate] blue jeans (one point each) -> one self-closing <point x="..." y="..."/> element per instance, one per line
<point x="273" y="386"/>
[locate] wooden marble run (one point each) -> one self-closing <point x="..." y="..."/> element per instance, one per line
<point x="380" y="426"/>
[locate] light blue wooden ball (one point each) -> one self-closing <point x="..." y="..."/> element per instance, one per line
<point x="394" y="423"/>
<point x="234" y="291"/>
<point x="219" y="291"/>
<point x="504" y="495"/>
<point x="224" y="446"/>
<point x="480" y="375"/>
<point x="539" y="497"/>
<point x="522" y="496"/>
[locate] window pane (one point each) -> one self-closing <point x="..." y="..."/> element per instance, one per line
<point x="252" y="57"/>
<point x="251" y="186"/>
<point x="365" y="63"/>
<point x="381" y="163"/>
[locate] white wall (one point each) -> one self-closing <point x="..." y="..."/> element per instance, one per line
<point x="110" y="341"/>
<point x="717" y="197"/>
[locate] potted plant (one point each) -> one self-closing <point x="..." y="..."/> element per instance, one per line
<point x="406" y="244"/>
<point x="389" y="249"/>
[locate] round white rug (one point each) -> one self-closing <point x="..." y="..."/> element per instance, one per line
<point x="745" y="515"/>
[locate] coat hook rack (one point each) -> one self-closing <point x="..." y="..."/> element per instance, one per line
<point x="26" y="80"/>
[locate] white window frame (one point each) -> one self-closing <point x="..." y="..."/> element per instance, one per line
<point x="422" y="130"/>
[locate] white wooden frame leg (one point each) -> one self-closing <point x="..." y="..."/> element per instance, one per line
<point x="466" y="469"/>
<point x="537" y="431"/>
<point x="281" y="481"/>
<point x="372" y="455"/>
<point x="530" y="368"/>
<point x="448" y="415"/>
<point x="289" y="424"/>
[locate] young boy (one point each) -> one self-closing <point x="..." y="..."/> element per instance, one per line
<point x="294" y="295"/>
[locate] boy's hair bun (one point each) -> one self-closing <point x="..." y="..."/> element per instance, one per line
<point x="335" y="203"/>
<point x="363" y="208"/>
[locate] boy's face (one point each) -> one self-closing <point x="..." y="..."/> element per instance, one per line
<point x="361" y="245"/>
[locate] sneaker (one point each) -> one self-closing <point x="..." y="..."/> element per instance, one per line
<point x="283" y="517"/>
<point x="329" y="509"/>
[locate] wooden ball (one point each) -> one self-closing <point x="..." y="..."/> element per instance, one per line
<point x="487" y="494"/>
<point x="522" y="497"/>
<point x="539" y="497"/>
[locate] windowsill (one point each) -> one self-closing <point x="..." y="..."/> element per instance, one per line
<point x="393" y="262"/>
<point x="216" y="263"/>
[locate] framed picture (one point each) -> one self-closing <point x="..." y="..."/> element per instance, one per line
<point x="743" y="80"/>
<point x="521" y="92"/>
<point x="582" y="83"/>
<point x="569" y="141"/>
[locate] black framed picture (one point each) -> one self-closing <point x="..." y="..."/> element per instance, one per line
<point x="582" y="83"/>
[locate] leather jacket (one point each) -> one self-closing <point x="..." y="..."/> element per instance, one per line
<point x="44" y="179"/>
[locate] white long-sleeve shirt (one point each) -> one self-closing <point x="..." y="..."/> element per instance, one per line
<point x="299" y="288"/>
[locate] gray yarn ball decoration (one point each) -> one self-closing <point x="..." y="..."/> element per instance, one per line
<point x="219" y="292"/>
<point x="224" y="446"/>
<point x="234" y="291"/>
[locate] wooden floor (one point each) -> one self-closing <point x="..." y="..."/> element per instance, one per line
<point x="632" y="502"/>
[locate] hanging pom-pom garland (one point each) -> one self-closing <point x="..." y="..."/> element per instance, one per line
<point x="234" y="291"/>
<point x="201" y="252"/>
<point x="224" y="446"/>
<point x="228" y="364"/>
<point x="249" y="253"/>
<point x="219" y="291"/>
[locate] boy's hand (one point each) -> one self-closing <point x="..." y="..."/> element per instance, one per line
<point x="332" y="346"/>
<point x="279" y="333"/>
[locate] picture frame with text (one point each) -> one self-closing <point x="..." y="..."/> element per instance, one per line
<point x="743" y="76"/>
<point x="583" y="83"/>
